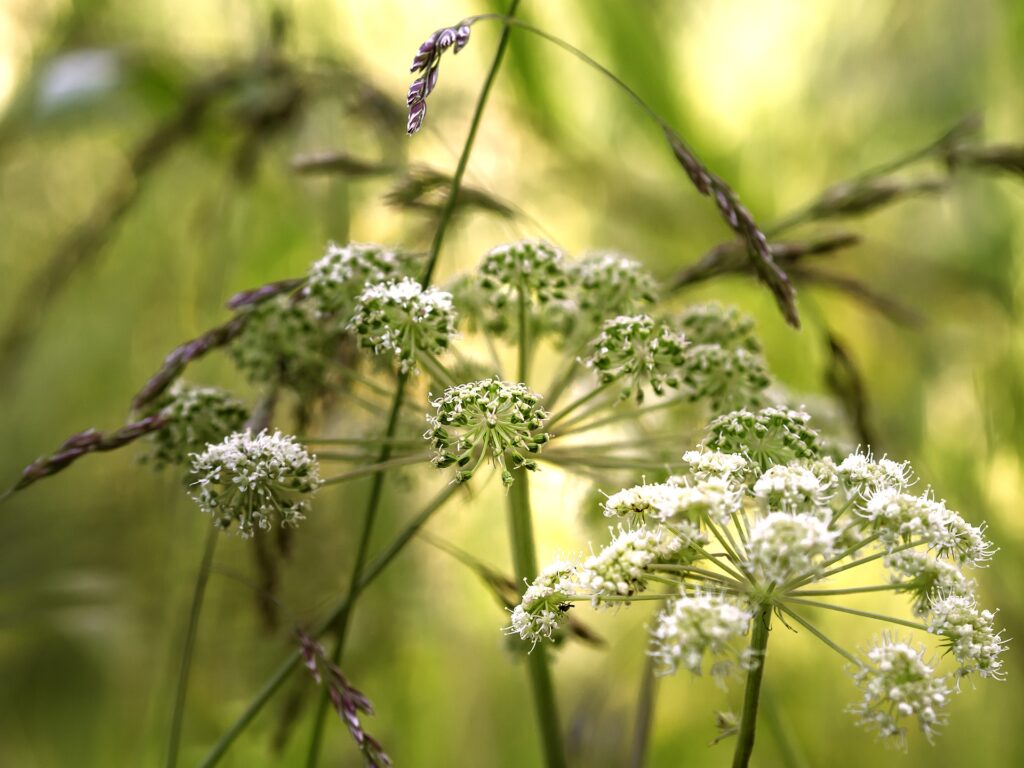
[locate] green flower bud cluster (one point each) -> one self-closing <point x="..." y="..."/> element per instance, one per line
<point x="486" y="420"/>
<point x="530" y="271"/>
<point x="195" y="416"/>
<point x="404" y="319"/>
<point x="639" y="352"/>
<point x="336" y="279"/>
<point x="773" y="435"/>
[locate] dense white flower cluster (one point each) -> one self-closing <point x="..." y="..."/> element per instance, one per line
<point x="337" y="278"/>
<point x="620" y="568"/>
<point x="544" y="605"/>
<point x="756" y="521"/>
<point x="489" y="419"/>
<point x="638" y="351"/>
<point x="249" y="479"/>
<point x="970" y="634"/>
<point x="404" y="319"/>
<point x="532" y="272"/>
<point x="897" y="683"/>
<point x="695" y="626"/>
<point x="784" y="545"/>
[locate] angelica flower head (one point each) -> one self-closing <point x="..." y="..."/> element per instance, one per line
<point x="789" y="487"/>
<point x="248" y="480"/>
<point x="544" y="605"/>
<point x="610" y="284"/>
<point x="970" y="635"/>
<point x="727" y="378"/>
<point x="529" y="271"/>
<point x="637" y="351"/>
<point x="773" y="435"/>
<point x="898" y="684"/>
<point x="489" y="419"/>
<point x="675" y="501"/>
<point x="705" y="464"/>
<point x="620" y="569"/>
<point x="926" y="578"/>
<point x="862" y="474"/>
<point x="722" y="326"/>
<point x="193" y="417"/>
<point x="693" y="627"/>
<point x="783" y="545"/>
<point x="339" y="276"/>
<point x="404" y="319"/>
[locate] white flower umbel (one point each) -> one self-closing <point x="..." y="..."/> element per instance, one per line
<point x="753" y="534"/>
<point x="784" y="545"/>
<point x="530" y="271"/>
<point x="486" y="420"/>
<point x="970" y="634"/>
<point x="791" y="487"/>
<point x="194" y="416"/>
<point x="404" y="319"/>
<point x="248" y="480"/>
<point x="693" y="627"/>
<point x="621" y="568"/>
<point x="638" y="352"/>
<point x="545" y="605"/>
<point x="898" y="684"/>
<point x="336" y="279"/>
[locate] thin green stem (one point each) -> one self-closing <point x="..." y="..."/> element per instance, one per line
<point x="181" y="689"/>
<point x="868" y="559"/>
<point x="821" y="636"/>
<point x="752" y="693"/>
<point x="524" y="558"/>
<point x="847" y="590"/>
<point x="276" y="680"/>
<point x="739" y="586"/>
<point x="855" y="612"/>
<point x="644" y="715"/>
<point x="360" y="441"/>
<point x="814" y="574"/>
<point x="622" y="416"/>
<point x="577" y="403"/>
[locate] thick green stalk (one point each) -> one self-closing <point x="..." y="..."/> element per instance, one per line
<point x="181" y="691"/>
<point x="644" y="715"/>
<point x="751" y="696"/>
<point x="276" y="680"/>
<point x="524" y="558"/>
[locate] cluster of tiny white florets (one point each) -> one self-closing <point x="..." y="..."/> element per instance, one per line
<point x="970" y="634"/>
<point x="610" y="284"/>
<point x="620" y="569"/>
<point x="675" y="501"/>
<point x="789" y="487"/>
<point x="249" y="479"/>
<point x="783" y="545"/>
<point x="490" y="419"/>
<point x="897" y="683"/>
<point x="532" y="272"/>
<point x="639" y="352"/>
<point x="713" y="323"/>
<point x="695" y="626"/>
<point x="862" y="474"/>
<point x="193" y="417"/>
<point x="544" y="604"/>
<point x="337" y="278"/>
<point x="404" y="319"/>
<point x="774" y="435"/>
<point x="926" y="578"/>
<point x="705" y="464"/>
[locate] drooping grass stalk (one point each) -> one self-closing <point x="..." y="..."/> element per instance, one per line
<point x="277" y="679"/>
<point x="181" y="688"/>
<point x="444" y="219"/>
<point x="524" y="559"/>
<point x="752" y="692"/>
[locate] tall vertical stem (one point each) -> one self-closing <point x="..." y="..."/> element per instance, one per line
<point x="181" y="690"/>
<point x="644" y="715"/>
<point x="444" y="219"/>
<point x="751" y="696"/>
<point x="524" y="558"/>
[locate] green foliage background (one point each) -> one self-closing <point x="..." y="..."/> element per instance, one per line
<point x="781" y="99"/>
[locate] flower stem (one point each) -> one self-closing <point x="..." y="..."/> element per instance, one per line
<point x="751" y="696"/>
<point x="524" y="558"/>
<point x="276" y="680"/>
<point x="377" y="468"/>
<point x="855" y="612"/>
<point x="181" y="690"/>
<point x="644" y="715"/>
<point x="821" y="636"/>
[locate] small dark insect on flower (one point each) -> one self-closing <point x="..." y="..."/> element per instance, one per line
<point x="427" y="60"/>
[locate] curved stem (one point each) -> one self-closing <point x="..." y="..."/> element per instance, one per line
<point x="276" y="680"/>
<point x="752" y="694"/>
<point x="524" y="558"/>
<point x="181" y="690"/>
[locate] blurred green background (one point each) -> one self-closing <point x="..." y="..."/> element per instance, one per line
<point x="145" y="175"/>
